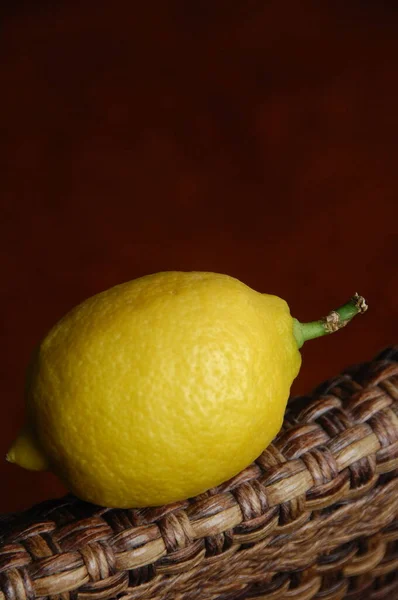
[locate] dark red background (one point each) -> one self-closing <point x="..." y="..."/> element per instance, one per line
<point x="252" y="138"/>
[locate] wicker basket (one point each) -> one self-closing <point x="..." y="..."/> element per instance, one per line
<point x="313" y="517"/>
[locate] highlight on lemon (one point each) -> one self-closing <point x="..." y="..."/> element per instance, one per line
<point x="162" y="387"/>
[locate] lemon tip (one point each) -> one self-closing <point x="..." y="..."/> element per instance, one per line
<point x="10" y="457"/>
<point x="26" y="453"/>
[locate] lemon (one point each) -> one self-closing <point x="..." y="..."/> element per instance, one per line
<point x="160" y="388"/>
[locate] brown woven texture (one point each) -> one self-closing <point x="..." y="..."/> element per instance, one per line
<point x="314" y="517"/>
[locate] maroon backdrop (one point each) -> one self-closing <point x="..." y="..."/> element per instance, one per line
<point x="252" y="138"/>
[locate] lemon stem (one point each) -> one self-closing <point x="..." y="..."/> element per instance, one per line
<point x="335" y="320"/>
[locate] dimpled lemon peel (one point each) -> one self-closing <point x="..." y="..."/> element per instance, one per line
<point x="162" y="387"/>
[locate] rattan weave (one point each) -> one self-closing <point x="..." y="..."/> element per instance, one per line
<point x="315" y="517"/>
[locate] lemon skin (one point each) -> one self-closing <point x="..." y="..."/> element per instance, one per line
<point x="159" y="389"/>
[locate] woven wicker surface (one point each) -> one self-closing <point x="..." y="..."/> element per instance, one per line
<point x="313" y="517"/>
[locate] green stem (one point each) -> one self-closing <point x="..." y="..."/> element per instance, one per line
<point x="336" y="319"/>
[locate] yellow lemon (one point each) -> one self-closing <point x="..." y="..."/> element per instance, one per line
<point x="160" y="388"/>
